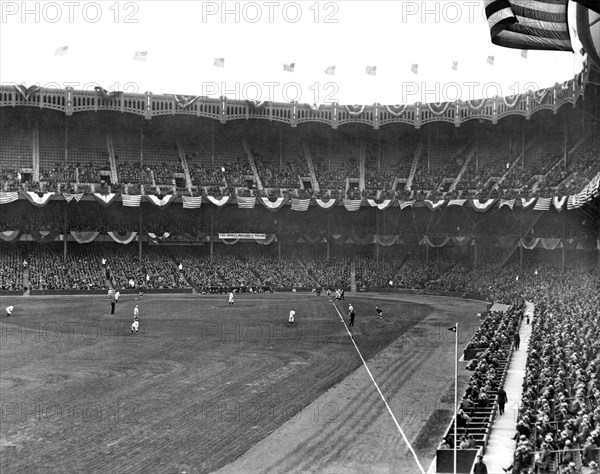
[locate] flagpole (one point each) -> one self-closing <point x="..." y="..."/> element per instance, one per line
<point x="455" y="392"/>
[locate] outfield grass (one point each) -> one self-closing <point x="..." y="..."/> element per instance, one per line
<point x="206" y="385"/>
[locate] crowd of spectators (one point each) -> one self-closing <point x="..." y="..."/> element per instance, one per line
<point x="537" y="178"/>
<point x="286" y="176"/>
<point x="560" y="411"/>
<point x="11" y="269"/>
<point x="82" y="270"/>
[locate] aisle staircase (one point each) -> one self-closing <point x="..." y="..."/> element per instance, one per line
<point x="413" y="168"/>
<point x="501" y="446"/>
<point x="311" y="167"/>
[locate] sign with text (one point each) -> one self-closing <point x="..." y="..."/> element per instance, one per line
<point x="243" y="236"/>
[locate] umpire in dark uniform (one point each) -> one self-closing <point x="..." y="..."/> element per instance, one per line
<point x="352" y="314"/>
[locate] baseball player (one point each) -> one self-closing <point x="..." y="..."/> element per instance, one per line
<point x="9" y="310"/>
<point x="135" y="325"/>
<point x="379" y="312"/>
<point x="231" y="297"/>
<point x="291" y="317"/>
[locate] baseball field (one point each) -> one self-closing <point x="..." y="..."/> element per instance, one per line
<point x="210" y="387"/>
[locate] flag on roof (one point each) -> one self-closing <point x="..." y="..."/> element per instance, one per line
<point x="455" y="65"/>
<point x="531" y="24"/>
<point x="140" y="56"/>
<point x="490" y="60"/>
<point x="62" y="51"/>
<point x="330" y="71"/>
<point x="289" y="67"/>
<point x="591" y="4"/>
<point x="371" y="70"/>
<point x="415" y="69"/>
<point x="219" y="62"/>
<point x="453" y="329"/>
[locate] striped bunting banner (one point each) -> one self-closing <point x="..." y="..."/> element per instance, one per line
<point x="6" y="198"/>
<point x="122" y="238"/>
<point x="507" y="202"/>
<point x="300" y="204"/>
<point x="69" y="197"/>
<point x="382" y="206"/>
<point x="38" y="200"/>
<point x="131" y="200"/>
<point x="191" y="202"/>
<point x="482" y="206"/>
<point x="542" y="204"/>
<point x="105" y="199"/>
<point x="8" y="235"/>
<point x="527" y="202"/>
<point x="246" y="202"/>
<point x="573" y="202"/>
<point x="84" y="237"/>
<point x="326" y="204"/>
<point x="162" y="202"/>
<point x="405" y="204"/>
<point x="457" y="202"/>
<point x="559" y="203"/>
<point x="352" y="204"/>
<point x="529" y="24"/>
<point x="272" y="206"/>
<point x="433" y="206"/>
<point x="219" y="201"/>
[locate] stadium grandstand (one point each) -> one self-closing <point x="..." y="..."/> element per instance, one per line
<point x="484" y="211"/>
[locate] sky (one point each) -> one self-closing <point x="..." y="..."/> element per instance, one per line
<point x="182" y="39"/>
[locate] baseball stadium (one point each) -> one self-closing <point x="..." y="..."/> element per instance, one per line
<point x="199" y="284"/>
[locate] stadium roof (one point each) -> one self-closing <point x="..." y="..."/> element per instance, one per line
<point x="422" y="51"/>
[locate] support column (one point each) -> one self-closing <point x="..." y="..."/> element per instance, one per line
<point x="65" y="237"/>
<point x="562" y="245"/>
<point x="279" y="241"/>
<point x="211" y="238"/>
<point x="520" y="257"/>
<point x="140" y="240"/>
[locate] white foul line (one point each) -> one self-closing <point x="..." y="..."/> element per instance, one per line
<point x="380" y="394"/>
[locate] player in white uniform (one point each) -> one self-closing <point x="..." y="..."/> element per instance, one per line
<point x="9" y="310"/>
<point x="231" y="297"/>
<point x="291" y="317"/>
<point x="135" y="325"/>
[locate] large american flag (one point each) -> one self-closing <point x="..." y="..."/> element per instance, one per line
<point x="529" y="24"/>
